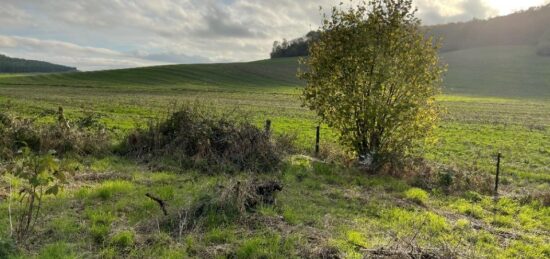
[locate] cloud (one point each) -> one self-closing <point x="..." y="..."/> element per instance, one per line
<point x="437" y="12"/>
<point x="12" y="16"/>
<point x="219" y="23"/>
<point x="91" y="34"/>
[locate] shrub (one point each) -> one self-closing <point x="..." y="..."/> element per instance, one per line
<point x="417" y="195"/>
<point x="201" y="140"/>
<point x="369" y="89"/>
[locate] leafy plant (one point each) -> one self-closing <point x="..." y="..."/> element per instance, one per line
<point x="373" y="76"/>
<point x="39" y="176"/>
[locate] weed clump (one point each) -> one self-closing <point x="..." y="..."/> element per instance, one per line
<point x="123" y="239"/>
<point x="196" y="139"/>
<point x="417" y="195"/>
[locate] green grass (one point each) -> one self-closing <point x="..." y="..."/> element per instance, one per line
<point x="417" y="195"/>
<point x="353" y="213"/>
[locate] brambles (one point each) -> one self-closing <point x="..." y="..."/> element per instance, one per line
<point x="194" y="138"/>
<point x="60" y="137"/>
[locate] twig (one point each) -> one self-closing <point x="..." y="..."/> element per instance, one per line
<point x="9" y="212"/>
<point x="161" y="203"/>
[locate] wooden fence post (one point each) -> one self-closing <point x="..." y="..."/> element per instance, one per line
<point x="498" y="174"/>
<point x="267" y="127"/>
<point x="317" y="138"/>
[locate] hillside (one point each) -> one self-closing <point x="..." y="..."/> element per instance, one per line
<point x="508" y="71"/>
<point x="512" y="71"/>
<point x="528" y="27"/>
<point x="280" y="72"/>
<point x="17" y="65"/>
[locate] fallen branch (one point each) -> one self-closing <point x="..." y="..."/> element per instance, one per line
<point x="161" y="203"/>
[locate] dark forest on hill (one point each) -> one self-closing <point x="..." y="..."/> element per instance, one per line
<point x="17" y="65"/>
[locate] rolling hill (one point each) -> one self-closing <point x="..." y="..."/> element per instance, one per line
<point x="17" y="65"/>
<point x="281" y="72"/>
<point x="509" y="71"/>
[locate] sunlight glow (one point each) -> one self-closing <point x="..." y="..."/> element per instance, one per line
<point x="504" y="7"/>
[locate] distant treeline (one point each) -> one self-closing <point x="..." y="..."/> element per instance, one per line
<point x="17" y="65"/>
<point x="530" y="27"/>
<point x="294" y="48"/>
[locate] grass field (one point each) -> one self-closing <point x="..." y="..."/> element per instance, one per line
<point x="492" y="106"/>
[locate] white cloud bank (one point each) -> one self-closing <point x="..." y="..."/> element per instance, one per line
<point x="104" y="34"/>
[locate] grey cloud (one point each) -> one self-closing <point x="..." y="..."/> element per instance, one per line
<point x="470" y="9"/>
<point x="219" y="23"/>
<point x="12" y="16"/>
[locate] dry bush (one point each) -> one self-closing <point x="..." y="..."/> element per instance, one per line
<point x="79" y="141"/>
<point x="540" y="194"/>
<point x="335" y="154"/>
<point x="198" y="139"/>
<point x="226" y="205"/>
<point x="426" y="175"/>
<point x="16" y="133"/>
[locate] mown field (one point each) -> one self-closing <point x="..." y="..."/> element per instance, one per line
<point x="322" y="206"/>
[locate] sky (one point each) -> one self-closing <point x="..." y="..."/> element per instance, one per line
<point x="110" y="34"/>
